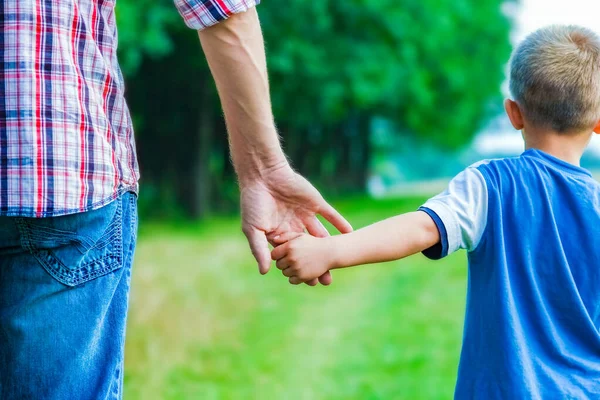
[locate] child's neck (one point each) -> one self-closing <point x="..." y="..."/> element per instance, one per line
<point x="566" y="147"/>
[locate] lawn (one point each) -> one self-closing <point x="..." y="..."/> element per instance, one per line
<point x="204" y="324"/>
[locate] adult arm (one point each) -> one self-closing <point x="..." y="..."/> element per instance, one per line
<point x="274" y="199"/>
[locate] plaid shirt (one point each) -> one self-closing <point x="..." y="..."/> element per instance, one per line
<point x="66" y="137"/>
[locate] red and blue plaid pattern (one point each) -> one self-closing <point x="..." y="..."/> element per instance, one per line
<point x="200" y="14"/>
<point x="66" y="137"/>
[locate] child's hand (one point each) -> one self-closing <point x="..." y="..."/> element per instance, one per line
<point x="302" y="257"/>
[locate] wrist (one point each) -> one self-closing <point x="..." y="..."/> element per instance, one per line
<point x="262" y="166"/>
<point x="335" y="250"/>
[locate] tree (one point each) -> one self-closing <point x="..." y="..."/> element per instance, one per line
<point x="433" y="67"/>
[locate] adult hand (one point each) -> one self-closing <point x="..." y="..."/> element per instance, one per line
<point x="275" y="200"/>
<point x="282" y="201"/>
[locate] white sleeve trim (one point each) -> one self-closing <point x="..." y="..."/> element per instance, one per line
<point x="463" y="209"/>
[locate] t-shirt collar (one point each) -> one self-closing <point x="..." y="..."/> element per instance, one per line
<point x="556" y="162"/>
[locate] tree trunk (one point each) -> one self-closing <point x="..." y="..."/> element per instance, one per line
<point x="364" y="159"/>
<point x="201" y="179"/>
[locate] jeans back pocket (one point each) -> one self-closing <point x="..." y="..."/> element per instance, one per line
<point x="76" y="248"/>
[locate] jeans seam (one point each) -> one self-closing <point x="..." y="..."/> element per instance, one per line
<point x="25" y="238"/>
<point x="133" y="216"/>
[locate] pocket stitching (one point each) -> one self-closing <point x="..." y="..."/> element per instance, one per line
<point x="44" y="232"/>
<point x="74" y="277"/>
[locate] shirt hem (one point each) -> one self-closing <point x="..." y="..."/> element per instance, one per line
<point x="60" y="213"/>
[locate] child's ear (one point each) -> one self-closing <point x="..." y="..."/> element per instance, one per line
<point x="597" y="128"/>
<point x="514" y="114"/>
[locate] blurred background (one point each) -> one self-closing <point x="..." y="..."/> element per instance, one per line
<point x="379" y="103"/>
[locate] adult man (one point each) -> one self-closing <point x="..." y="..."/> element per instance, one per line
<point x="68" y="178"/>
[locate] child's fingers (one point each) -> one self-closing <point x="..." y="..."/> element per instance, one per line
<point x="279" y="252"/>
<point x="282" y="263"/>
<point x="288" y="272"/>
<point x="285" y="237"/>
<point x="294" y="280"/>
<point x="326" y="279"/>
<point x="314" y="282"/>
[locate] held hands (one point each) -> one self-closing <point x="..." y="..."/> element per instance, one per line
<point x="303" y="258"/>
<point x="280" y="203"/>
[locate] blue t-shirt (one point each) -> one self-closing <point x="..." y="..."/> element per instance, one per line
<point x="532" y="323"/>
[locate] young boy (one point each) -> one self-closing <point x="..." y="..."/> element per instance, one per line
<point x="529" y="224"/>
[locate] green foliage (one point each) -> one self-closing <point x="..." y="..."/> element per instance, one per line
<point x="433" y="68"/>
<point x="144" y="30"/>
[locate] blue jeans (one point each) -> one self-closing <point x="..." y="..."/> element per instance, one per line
<point x="64" y="290"/>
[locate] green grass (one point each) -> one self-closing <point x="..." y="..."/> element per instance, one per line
<point x="204" y="324"/>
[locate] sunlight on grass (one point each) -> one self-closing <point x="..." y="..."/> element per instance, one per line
<point x="205" y="325"/>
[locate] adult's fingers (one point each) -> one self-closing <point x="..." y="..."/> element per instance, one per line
<point x="326" y="279"/>
<point x="288" y="272"/>
<point x="315" y="227"/>
<point x="314" y="282"/>
<point x="335" y="218"/>
<point x="260" y="248"/>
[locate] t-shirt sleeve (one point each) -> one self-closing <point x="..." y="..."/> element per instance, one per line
<point x="460" y="213"/>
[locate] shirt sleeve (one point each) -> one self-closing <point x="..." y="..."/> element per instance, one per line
<point x="460" y="214"/>
<point x="200" y="14"/>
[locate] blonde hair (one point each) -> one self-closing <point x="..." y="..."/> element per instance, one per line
<point x="555" y="78"/>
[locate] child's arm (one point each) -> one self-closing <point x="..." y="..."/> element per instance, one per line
<point x="304" y="257"/>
